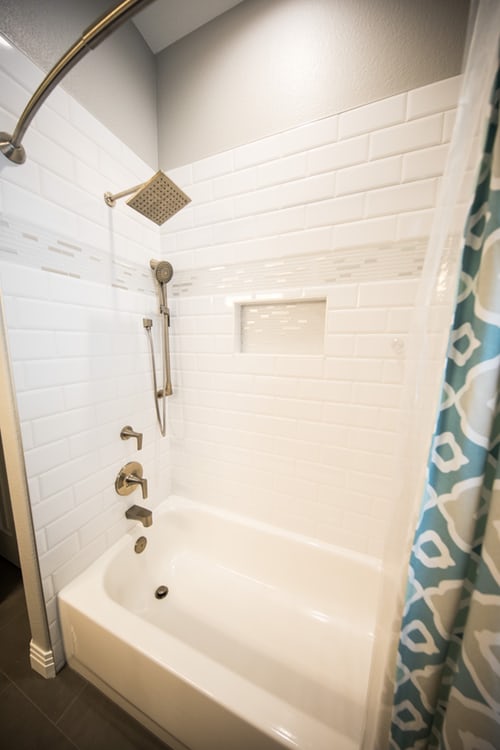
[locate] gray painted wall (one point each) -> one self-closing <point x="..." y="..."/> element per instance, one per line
<point x="116" y="81"/>
<point x="268" y="65"/>
<point x="260" y="68"/>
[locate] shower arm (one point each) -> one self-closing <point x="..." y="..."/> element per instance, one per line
<point x="111" y="199"/>
<point x="10" y="145"/>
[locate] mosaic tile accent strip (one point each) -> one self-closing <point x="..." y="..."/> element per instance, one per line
<point x="28" y="245"/>
<point x="374" y="263"/>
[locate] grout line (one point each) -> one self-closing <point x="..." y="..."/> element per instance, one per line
<point x="71" y="703"/>
<point x="40" y="711"/>
<point x="7" y="683"/>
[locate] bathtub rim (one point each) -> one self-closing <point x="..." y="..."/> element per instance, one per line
<point x="180" y="502"/>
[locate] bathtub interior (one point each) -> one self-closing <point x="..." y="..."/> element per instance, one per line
<point x="275" y="628"/>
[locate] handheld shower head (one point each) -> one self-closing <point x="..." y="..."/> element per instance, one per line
<point x="163" y="270"/>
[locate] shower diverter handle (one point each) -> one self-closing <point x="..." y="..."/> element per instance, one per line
<point x="129" y="477"/>
<point x="127" y="432"/>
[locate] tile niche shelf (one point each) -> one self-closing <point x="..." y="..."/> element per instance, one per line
<point x="283" y="327"/>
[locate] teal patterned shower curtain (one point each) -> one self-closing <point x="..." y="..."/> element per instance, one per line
<point x="447" y="685"/>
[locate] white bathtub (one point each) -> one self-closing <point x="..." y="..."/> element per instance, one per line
<point x="263" y="641"/>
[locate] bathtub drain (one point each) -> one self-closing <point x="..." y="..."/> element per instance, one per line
<point x="161" y="592"/>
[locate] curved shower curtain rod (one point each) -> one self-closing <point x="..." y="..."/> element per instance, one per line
<point x="10" y="145"/>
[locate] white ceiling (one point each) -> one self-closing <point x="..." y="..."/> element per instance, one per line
<point x="165" y="21"/>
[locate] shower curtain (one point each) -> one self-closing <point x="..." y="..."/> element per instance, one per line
<point x="447" y="685"/>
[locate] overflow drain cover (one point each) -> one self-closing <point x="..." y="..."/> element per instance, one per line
<point x="161" y="592"/>
<point x="140" y="544"/>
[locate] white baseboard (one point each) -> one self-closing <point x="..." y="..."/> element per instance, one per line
<point x="42" y="661"/>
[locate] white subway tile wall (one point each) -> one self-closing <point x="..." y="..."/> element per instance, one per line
<point x="337" y="209"/>
<point x="75" y="284"/>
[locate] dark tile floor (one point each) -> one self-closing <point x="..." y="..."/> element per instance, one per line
<point x="60" y="714"/>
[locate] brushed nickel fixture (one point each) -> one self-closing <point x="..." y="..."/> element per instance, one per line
<point x="163" y="272"/>
<point x="138" y="513"/>
<point x="157" y="199"/>
<point x="10" y="145"/>
<point x="129" y="477"/>
<point x="127" y="432"/>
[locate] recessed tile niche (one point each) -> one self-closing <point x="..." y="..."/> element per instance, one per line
<point x="284" y="327"/>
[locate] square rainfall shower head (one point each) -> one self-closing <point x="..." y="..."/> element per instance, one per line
<point x="159" y="198"/>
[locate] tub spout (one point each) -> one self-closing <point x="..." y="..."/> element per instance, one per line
<point x="138" y="513"/>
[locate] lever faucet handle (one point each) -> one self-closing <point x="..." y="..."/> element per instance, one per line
<point x="129" y="477"/>
<point x="127" y="432"/>
<point x="134" y="479"/>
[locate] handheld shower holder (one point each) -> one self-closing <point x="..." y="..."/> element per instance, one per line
<point x="163" y="272"/>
